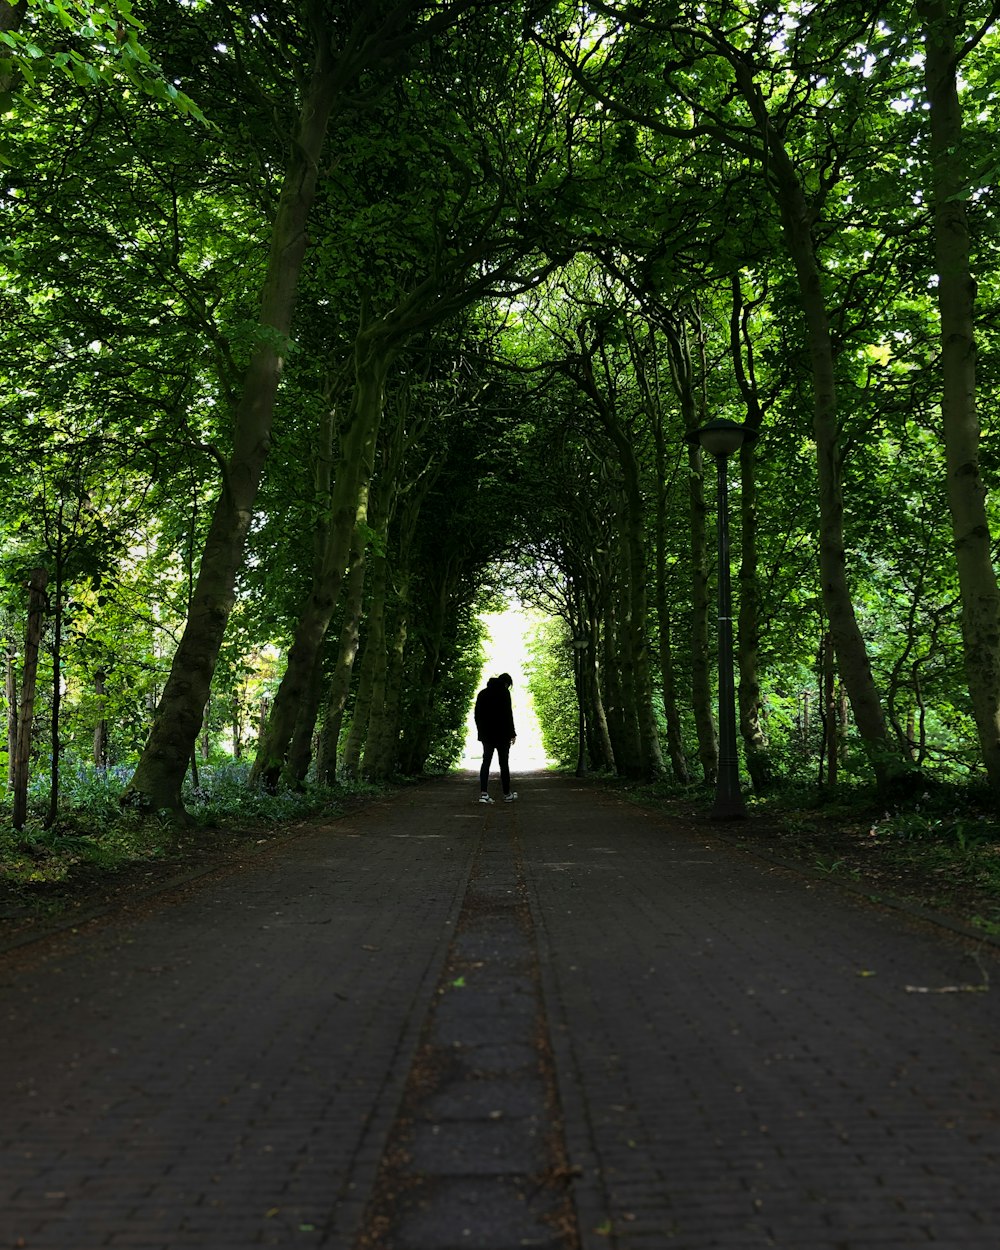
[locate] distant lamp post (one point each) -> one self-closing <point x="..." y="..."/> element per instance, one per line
<point x="720" y="438"/>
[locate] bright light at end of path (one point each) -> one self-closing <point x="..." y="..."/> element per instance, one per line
<point x="506" y="647"/>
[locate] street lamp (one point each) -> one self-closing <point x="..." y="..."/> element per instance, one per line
<point x="720" y="438"/>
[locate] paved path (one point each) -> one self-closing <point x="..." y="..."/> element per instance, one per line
<point x="561" y="1022"/>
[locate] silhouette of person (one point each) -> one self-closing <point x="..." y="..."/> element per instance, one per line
<point x="495" y="729"/>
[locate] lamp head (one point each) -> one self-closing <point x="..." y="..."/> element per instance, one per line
<point x="720" y="437"/>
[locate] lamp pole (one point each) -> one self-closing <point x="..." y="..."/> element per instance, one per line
<point x="720" y="438"/>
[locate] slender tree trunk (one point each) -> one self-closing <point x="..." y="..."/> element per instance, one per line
<point x="340" y="682"/>
<point x="206" y="735"/>
<point x="101" y="727"/>
<point x="10" y="687"/>
<point x="56" y="607"/>
<point x="37" y="603"/>
<point x="300" y="747"/>
<point x="379" y="661"/>
<point x="950" y="174"/>
<point x="911" y="733"/>
<point x="843" y="720"/>
<point x="804" y="723"/>
<point x="348" y="510"/>
<point x="684" y="373"/>
<point x="361" y="712"/>
<point x="852" y="655"/>
<point x="382" y="750"/>
<point x="159" y="775"/>
<point x="668" y="680"/>
<point x="748" y="649"/>
<point x="630" y="756"/>
<point x="597" y="717"/>
<point x="831" y="745"/>
<point x="614" y="696"/>
<point x="417" y="734"/>
<point x="643" y="755"/>
<point x="650" y="754"/>
<point x="701" y="603"/>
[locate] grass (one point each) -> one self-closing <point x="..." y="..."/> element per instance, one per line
<point x="94" y="835"/>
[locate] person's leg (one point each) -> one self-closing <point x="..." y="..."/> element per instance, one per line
<point x="503" y="754"/>
<point x="484" y="772"/>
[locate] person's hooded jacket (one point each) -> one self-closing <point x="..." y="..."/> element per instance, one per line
<point x="494" y="715"/>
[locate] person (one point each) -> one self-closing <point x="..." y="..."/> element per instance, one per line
<point x="495" y="729"/>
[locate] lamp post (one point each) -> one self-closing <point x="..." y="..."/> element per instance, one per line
<point x="720" y="438"/>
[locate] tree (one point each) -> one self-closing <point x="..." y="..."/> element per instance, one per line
<point x="363" y="43"/>
<point x="951" y="179"/>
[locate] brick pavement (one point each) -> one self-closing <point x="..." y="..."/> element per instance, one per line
<point x="223" y="1073"/>
<point x="738" y="1059"/>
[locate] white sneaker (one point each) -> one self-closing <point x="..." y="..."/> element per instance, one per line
<point x="509" y="798"/>
<point x="485" y="798"/>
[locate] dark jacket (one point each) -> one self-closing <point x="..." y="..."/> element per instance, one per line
<point x="494" y="715"/>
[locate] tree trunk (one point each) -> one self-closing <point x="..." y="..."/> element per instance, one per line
<point x="684" y="374"/>
<point x="37" y="603"/>
<point x="361" y="711"/>
<point x="101" y="727"/>
<point x="641" y="733"/>
<point x="417" y="734"/>
<point x="950" y="176"/>
<point x="612" y="686"/>
<point x="796" y="223"/>
<point x="348" y="509"/>
<point x="748" y="649"/>
<point x="300" y="749"/>
<point x="383" y="748"/>
<point x="831" y="744"/>
<point x="843" y="720"/>
<point x="157" y="781"/>
<point x="56" y="607"/>
<point x="701" y="603"/>
<point x="596" y="716"/>
<point x="668" y="681"/>
<point x="340" y="682"/>
<point x="301" y="745"/>
<point x="380" y="663"/>
<point x="629" y="753"/>
<point x="10" y="687"/>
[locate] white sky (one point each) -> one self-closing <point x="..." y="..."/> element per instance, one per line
<point x="506" y="652"/>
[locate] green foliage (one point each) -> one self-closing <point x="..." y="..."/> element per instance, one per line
<point x="94" y="832"/>
<point x="550" y="681"/>
<point x="522" y="219"/>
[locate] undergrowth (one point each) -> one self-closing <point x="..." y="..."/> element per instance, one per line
<point x="94" y="833"/>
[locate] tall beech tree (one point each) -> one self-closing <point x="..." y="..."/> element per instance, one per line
<point x="947" y="43"/>
<point x="339" y="55"/>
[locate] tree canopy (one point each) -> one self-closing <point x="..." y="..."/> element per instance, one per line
<point x="326" y="324"/>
